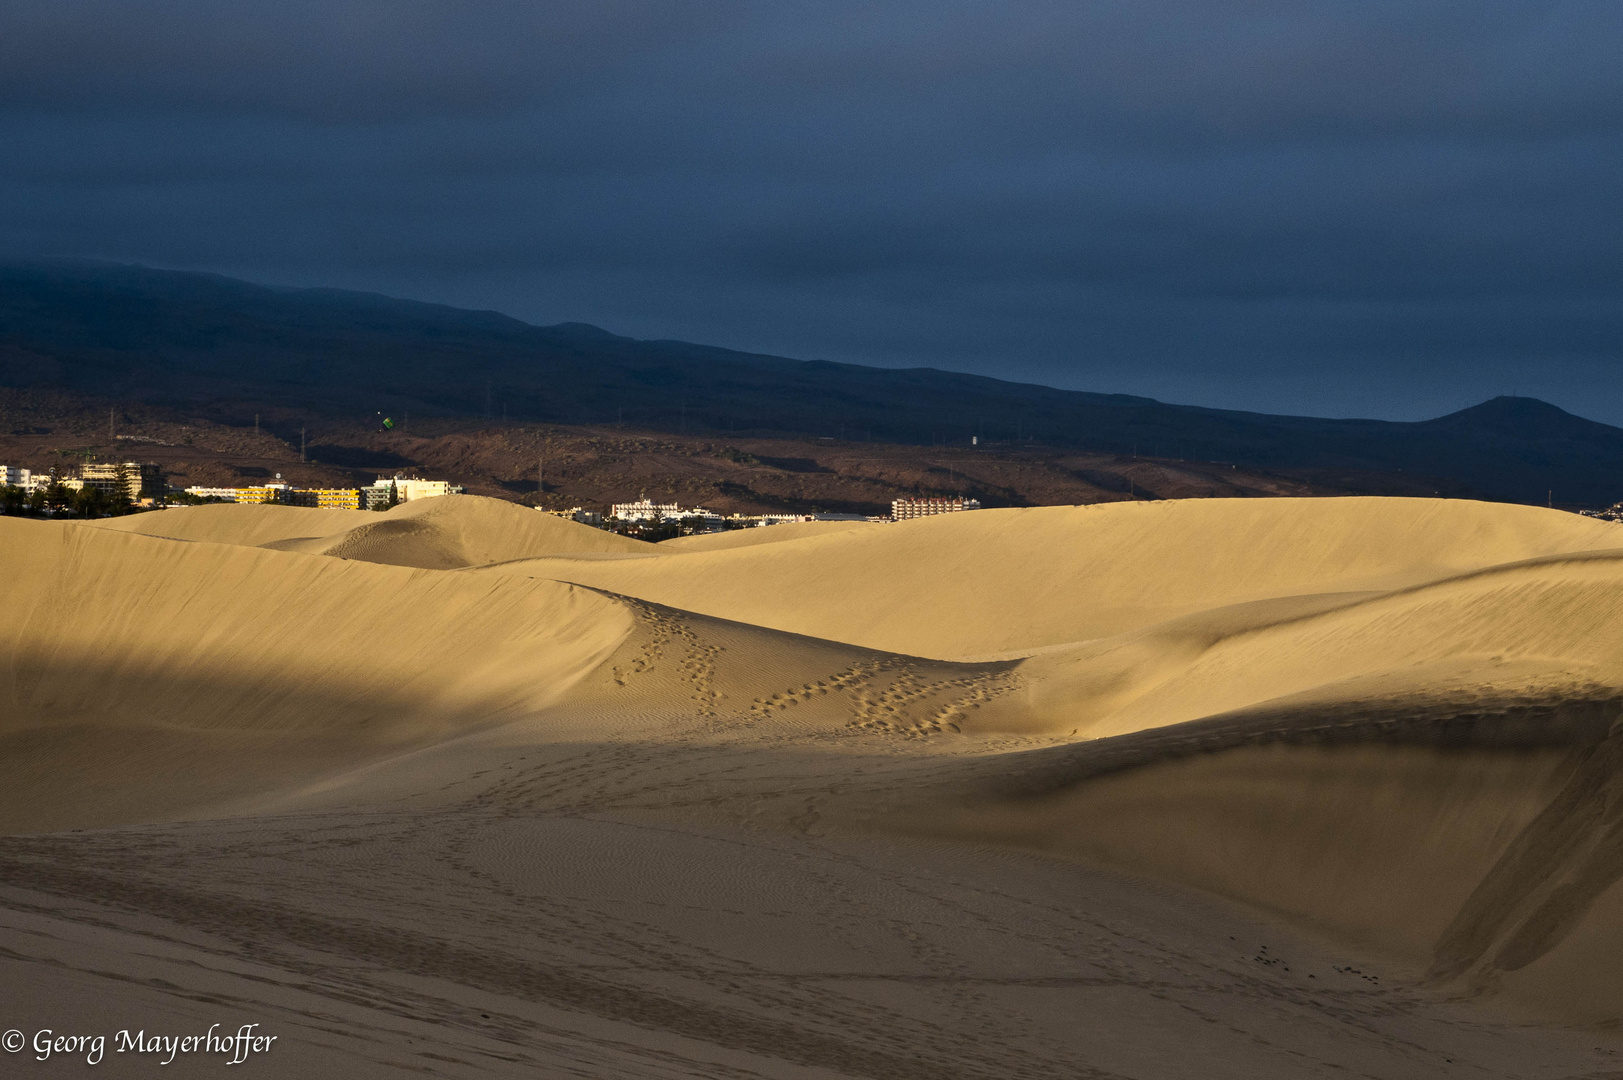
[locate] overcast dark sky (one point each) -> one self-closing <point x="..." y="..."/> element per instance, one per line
<point x="1382" y="208"/>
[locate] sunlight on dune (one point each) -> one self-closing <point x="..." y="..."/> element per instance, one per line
<point x="1383" y="724"/>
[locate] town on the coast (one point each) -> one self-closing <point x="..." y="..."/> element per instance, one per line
<point x="100" y="489"/>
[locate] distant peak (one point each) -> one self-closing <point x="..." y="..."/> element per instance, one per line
<point x="1513" y="415"/>
<point x="1511" y="405"/>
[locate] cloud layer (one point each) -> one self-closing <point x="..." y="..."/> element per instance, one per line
<point x="1388" y="209"/>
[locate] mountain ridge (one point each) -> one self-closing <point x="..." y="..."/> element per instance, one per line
<point x="230" y="348"/>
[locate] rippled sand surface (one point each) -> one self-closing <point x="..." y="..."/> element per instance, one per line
<point x="1214" y="788"/>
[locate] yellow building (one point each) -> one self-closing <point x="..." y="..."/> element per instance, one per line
<point x="325" y="498"/>
<point x="238" y="495"/>
<point x="335" y="498"/>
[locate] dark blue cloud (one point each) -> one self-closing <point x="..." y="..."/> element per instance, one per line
<point x="1385" y="209"/>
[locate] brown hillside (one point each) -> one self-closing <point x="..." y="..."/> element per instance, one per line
<point x="597" y="466"/>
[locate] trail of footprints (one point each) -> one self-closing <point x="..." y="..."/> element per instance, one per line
<point x="665" y="628"/>
<point x="886" y="694"/>
<point x="881" y="705"/>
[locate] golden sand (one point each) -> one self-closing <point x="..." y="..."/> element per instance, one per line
<point x="1207" y="788"/>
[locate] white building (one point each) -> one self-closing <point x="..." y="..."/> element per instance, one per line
<point x="42" y="481"/>
<point x="644" y="510"/>
<point x="575" y="513"/>
<point x="902" y="509"/>
<point x="407" y="490"/>
<point x="136" y="479"/>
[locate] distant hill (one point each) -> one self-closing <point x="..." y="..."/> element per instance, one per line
<point x="215" y="344"/>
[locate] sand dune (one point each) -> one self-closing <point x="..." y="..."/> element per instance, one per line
<point x="433" y="534"/>
<point x="654" y="811"/>
<point x="234" y="523"/>
<point x="1548" y="626"/>
<point x="996" y="581"/>
<point x="203" y="663"/>
<point x="211" y="653"/>
<point x="1420" y="771"/>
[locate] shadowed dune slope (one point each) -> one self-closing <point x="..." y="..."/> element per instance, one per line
<point x="129" y="661"/>
<point x="1433" y="773"/>
<point x="143" y="677"/>
<point x="443" y="533"/>
<point x="996" y="581"/>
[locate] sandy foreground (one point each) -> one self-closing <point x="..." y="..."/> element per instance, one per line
<point x="1214" y="788"/>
